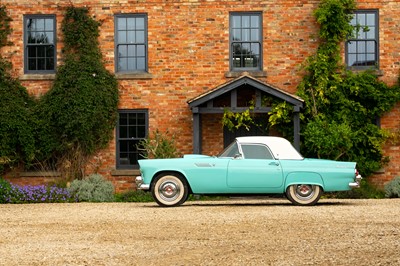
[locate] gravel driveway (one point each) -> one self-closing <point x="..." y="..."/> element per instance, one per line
<point x="233" y="232"/>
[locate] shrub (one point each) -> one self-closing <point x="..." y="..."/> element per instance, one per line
<point x="94" y="188"/>
<point x="5" y="190"/>
<point x="160" y="146"/>
<point x="16" y="141"/>
<point x="392" y="189"/>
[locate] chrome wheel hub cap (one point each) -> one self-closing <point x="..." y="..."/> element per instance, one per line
<point x="169" y="190"/>
<point x="304" y="191"/>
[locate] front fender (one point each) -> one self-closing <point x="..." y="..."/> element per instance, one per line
<point x="309" y="178"/>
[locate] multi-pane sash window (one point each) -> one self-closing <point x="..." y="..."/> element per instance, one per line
<point x="132" y="128"/>
<point x="131" y="43"/>
<point x="40" y="47"/>
<point x="362" y="47"/>
<point x="245" y="41"/>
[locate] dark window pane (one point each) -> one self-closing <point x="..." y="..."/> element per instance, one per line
<point x="49" y="63"/>
<point x="141" y="119"/>
<point x="132" y="132"/>
<point x="123" y="146"/>
<point x="41" y="51"/>
<point x="123" y="118"/>
<point x="31" y="51"/>
<point x="50" y="51"/>
<point x="32" y="64"/>
<point x="41" y="64"/>
<point x="123" y="132"/>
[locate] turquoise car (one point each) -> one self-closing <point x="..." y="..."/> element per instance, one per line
<point x="248" y="166"/>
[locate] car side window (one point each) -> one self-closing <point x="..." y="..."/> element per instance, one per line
<point x="251" y="151"/>
<point x="231" y="151"/>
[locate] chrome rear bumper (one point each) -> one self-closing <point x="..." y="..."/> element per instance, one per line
<point x="140" y="185"/>
<point x="356" y="183"/>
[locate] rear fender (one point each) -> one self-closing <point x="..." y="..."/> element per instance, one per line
<point x="309" y="178"/>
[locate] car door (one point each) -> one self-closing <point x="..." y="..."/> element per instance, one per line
<point x="256" y="168"/>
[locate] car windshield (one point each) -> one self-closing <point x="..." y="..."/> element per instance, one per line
<point x="231" y="151"/>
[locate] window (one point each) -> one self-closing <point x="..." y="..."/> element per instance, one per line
<point x="231" y="151"/>
<point x="131" y="43"/>
<point x="256" y="152"/>
<point x="245" y="41"/>
<point x="362" y="48"/>
<point x="132" y="128"/>
<point x="40" y="43"/>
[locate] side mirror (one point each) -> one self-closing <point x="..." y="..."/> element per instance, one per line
<point x="237" y="156"/>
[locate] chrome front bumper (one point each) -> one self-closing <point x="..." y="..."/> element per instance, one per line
<point x="356" y="183"/>
<point x="140" y="185"/>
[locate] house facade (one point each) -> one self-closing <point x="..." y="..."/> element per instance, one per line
<point x="179" y="63"/>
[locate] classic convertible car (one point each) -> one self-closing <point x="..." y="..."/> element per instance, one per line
<point x="248" y="166"/>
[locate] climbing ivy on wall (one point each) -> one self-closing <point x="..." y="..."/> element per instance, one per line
<point x="76" y="118"/>
<point x="16" y="125"/>
<point x="79" y="112"/>
<point x="342" y="107"/>
<point x="340" y="118"/>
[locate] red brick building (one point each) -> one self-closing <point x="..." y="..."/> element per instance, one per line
<point x="169" y="54"/>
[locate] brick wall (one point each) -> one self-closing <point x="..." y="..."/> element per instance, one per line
<point x="188" y="54"/>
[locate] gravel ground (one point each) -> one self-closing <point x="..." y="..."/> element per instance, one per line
<point x="258" y="231"/>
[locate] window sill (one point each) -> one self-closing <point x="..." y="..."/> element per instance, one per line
<point x="125" y="172"/>
<point x="139" y="75"/>
<point x="236" y="74"/>
<point x="38" y="77"/>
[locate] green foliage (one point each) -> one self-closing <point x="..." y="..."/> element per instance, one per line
<point x="5" y="28"/>
<point x="93" y="188"/>
<point x="16" y="124"/>
<point x="79" y="113"/>
<point x="366" y="191"/>
<point x="5" y="190"/>
<point x="339" y="120"/>
<point x="134" y="196"/>
<point x="392" y="189"/>
<point x="234" y="121"/>
<point x="159" y="146"/>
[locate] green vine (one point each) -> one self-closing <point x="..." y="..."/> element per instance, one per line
<point x="17" y="143"/>
<point x="342" y="107"/>
<point x="339" y="120"/>
<point x="78" y="115"/>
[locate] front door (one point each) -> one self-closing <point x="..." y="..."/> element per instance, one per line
<point x="256" y="168"/>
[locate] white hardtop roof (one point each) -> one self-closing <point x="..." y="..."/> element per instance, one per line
<point x="281" y="148"/>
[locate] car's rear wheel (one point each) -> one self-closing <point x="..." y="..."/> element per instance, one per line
<point x="304" y="194"/>
<point x="170" y="190"/>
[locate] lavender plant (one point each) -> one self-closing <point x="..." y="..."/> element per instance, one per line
<point x="10" y="193"/>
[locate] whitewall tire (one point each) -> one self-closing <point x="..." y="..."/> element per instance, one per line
<point x="304" y="194"/>
<point x="170" y="190"/>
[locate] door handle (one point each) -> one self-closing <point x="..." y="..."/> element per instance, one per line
<point x="274" y="163"/>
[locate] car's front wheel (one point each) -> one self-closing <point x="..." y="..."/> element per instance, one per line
<point x="303" y="194"/>
<point x="170" y="190"/>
